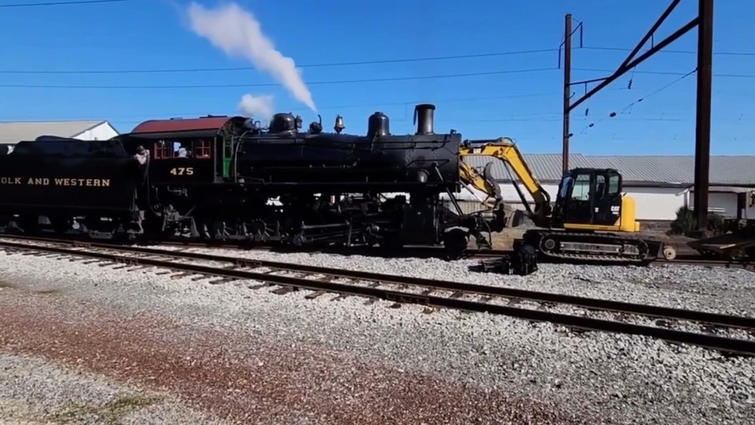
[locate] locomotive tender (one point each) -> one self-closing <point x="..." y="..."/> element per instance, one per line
<point x="221" y="177"/>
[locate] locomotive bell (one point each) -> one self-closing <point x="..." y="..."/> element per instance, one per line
<point x="339" y="124"/>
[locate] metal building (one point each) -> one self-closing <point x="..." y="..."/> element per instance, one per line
<point x="14" y="132"/>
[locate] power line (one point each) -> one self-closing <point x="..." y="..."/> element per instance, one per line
<point x="337" y="82"/>
<point x="337" y="107"/>
<point x="314" y="65"/>
<point x="336" y="64"/>
<point x="320" y="65"/>
<point x="314" y="83"/>
<point x="61" y="3"/>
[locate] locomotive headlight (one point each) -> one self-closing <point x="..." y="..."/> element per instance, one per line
<point x="422" y="176"/>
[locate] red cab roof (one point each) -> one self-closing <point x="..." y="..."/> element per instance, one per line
<point x="178" y="125"/>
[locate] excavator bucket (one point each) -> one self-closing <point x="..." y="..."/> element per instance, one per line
<point x="513" y="216"/>
<point x="490" y="182"/>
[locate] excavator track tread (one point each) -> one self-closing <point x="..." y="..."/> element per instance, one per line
<point x="646" y="255"/>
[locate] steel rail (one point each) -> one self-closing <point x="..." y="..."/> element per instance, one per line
<point x="703" y="262"/>
<point x="728" y="345"/>
<point x="414" y="251"/>
<point x="483" y="290"/>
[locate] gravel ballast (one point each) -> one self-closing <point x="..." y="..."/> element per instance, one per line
<point x="720" y="290"/>
<point x="602" y="378"/>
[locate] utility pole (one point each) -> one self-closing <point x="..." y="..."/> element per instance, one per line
<point x="703" y="114"/>
<point x="567" y="93"/>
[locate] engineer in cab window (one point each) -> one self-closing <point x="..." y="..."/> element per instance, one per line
<point x="183" y="151"/>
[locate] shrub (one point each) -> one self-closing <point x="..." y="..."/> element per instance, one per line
<point x="685" y="222"/>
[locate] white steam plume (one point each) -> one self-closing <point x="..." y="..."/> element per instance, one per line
<point x="257" y="106"/>
<point x="238" y="33"/>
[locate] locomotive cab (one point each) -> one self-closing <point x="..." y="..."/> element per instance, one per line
<point x="190" y="151"/>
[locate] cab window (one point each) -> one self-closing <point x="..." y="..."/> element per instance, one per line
<point x="600" y="186"/>
<point x="565" y="186"/>
<point x="194" y="149"/>
<point x="581" y="190"/>
<point x="614" y="185"/>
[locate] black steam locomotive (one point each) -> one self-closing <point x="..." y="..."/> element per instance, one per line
<point x="221" y="178"/>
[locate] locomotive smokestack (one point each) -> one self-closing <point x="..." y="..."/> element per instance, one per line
<point x="423" y="117"/>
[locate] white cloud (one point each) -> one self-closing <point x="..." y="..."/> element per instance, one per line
<point x="261" y="107"/>
<point x="237" y="32"/>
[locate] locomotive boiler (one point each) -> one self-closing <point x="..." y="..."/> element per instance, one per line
<point x="377" y="188"/>
<point x="284" y="159"/>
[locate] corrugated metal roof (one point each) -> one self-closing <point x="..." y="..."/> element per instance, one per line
<point x="14" y="132"/>
<point x="724" y="170"/>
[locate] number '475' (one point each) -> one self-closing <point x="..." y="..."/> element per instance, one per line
<point x="182" y="171"/>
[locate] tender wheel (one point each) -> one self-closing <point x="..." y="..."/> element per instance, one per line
<point x="455" y="243"/>
<point x="669" y="252"/>
<point x="736" y="254"/>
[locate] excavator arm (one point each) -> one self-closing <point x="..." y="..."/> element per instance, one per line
<point x="504" y="149"/>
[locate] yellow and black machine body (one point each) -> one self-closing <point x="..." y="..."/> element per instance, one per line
<point x="591" y="218"/>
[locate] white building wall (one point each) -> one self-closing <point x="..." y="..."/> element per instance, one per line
<point x="721" y="203"/>
<point x="724" y="204"/>
<point x="657" y="203"/>
<point x="103" y="131"/>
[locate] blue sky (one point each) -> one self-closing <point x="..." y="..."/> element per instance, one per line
<point x="524" y="104"/>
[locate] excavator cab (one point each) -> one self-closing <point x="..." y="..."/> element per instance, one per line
<point x="589" y="196"/>
<point x="591" y="199"/>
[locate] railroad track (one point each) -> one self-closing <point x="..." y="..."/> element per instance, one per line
<point x="402" y="289"/>
<point x="693" y="260"/>
<point x="413" y="251"/>
<point x="406" y="251"/>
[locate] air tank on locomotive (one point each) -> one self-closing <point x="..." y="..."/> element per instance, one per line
<point x="377" y="161"/>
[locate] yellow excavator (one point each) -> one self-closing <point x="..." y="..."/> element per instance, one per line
<point x="590" y="220"/>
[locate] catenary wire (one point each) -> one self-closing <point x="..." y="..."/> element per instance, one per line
<point x="623" y="49"/>
<point x="641" y="99"/>
<point x="60" y="3"/>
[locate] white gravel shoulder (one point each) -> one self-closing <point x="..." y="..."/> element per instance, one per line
<point x="33" y="391"/>
<point x="614" y="378"/>
<point x="720" y="290"/>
